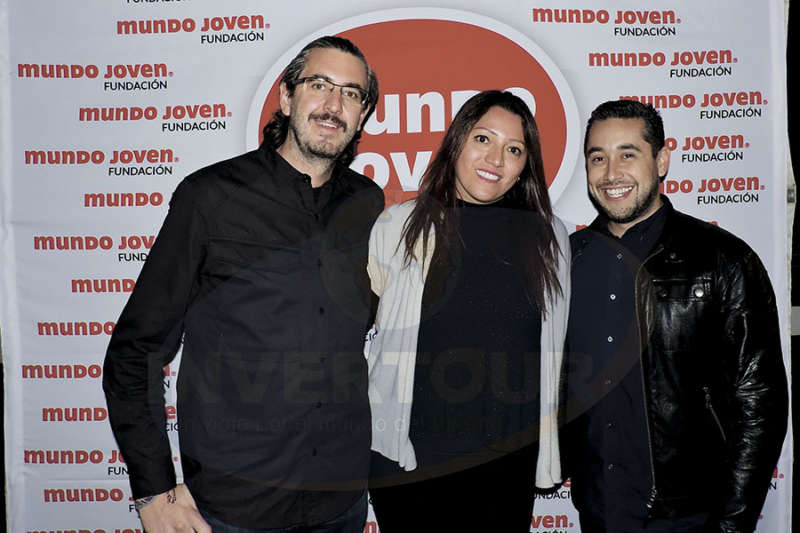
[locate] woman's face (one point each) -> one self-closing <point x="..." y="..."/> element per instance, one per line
<point x="492" y="158"/>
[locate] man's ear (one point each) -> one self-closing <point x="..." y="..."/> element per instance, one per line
<point x="361" y="118"/>
<point x="662" y="162"/>
<point x="285" y="99"/>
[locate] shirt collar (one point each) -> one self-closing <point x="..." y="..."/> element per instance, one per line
<point x="645" y="227"/>
<point x="284" y="168"/>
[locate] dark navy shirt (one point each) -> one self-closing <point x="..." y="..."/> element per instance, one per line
<point x="609" y="453"/>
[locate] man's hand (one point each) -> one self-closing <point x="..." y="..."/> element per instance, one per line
<point x="173" y="511"/>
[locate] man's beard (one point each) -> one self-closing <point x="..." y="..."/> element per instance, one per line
<point x="323" y="149"/>
<point x="638" y="209"/>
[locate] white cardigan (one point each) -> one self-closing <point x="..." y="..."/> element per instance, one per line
<point x="391" y="347"/>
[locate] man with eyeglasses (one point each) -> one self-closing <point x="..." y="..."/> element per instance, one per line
<point x="259" y="272"/>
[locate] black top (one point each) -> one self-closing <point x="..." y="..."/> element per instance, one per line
<point x="476" y="381"/>
<point x="608" y="444"/>
<point x="268" y="290"/>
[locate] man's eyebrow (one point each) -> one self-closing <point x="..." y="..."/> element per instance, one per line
<point x="328" y="78"/>
<point x="592" y="150"/>
<point x="629" y="147"/>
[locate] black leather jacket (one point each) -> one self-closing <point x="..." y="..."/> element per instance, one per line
<point x="715" y="385"/>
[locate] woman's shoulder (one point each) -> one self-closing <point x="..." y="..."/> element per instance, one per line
<point x="401" y="208"/>
<point x="396" y="215"/>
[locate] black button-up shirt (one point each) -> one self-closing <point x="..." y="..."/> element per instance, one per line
<point x="264" y="281"/>
<point x="608" y="443"/>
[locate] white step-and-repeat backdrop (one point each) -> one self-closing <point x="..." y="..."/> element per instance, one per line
<point x="108" y="104"/>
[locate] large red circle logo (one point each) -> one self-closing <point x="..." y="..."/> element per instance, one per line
<point x="427" y="67"/>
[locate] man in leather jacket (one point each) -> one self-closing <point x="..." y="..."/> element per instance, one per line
<point x="676" y="394"/>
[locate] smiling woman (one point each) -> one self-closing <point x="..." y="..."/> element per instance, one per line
<point x="492" y="158"/>
<point x="462" y="420"/>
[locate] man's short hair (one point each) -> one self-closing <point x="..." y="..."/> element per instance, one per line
<point x="653" y="125"/>
<point x="276" y="130"/>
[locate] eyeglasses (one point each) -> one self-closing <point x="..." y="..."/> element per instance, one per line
<point x="351" y="95"/>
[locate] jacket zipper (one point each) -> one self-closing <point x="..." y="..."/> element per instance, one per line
<point x="711" y="410"/>
<point x="653" y="490"/>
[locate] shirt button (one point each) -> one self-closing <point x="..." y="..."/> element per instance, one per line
<point x="609" y="425"/>
<point x="607" y="382"/>
<point x="610" y="338"/>
<point x="322" y="310"/>
<point x="319" y="404"/>
<point x="619" y="255"/>
<point x="611" y="466"/>
<point x="699" y="292"/>
<point x="612" y="296"/>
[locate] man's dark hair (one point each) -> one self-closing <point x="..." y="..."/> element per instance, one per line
<point x="278" y="127"/>
<point x="653" y="125"/>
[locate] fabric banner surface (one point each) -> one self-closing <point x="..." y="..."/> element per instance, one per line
<point x="107" y="105"/>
